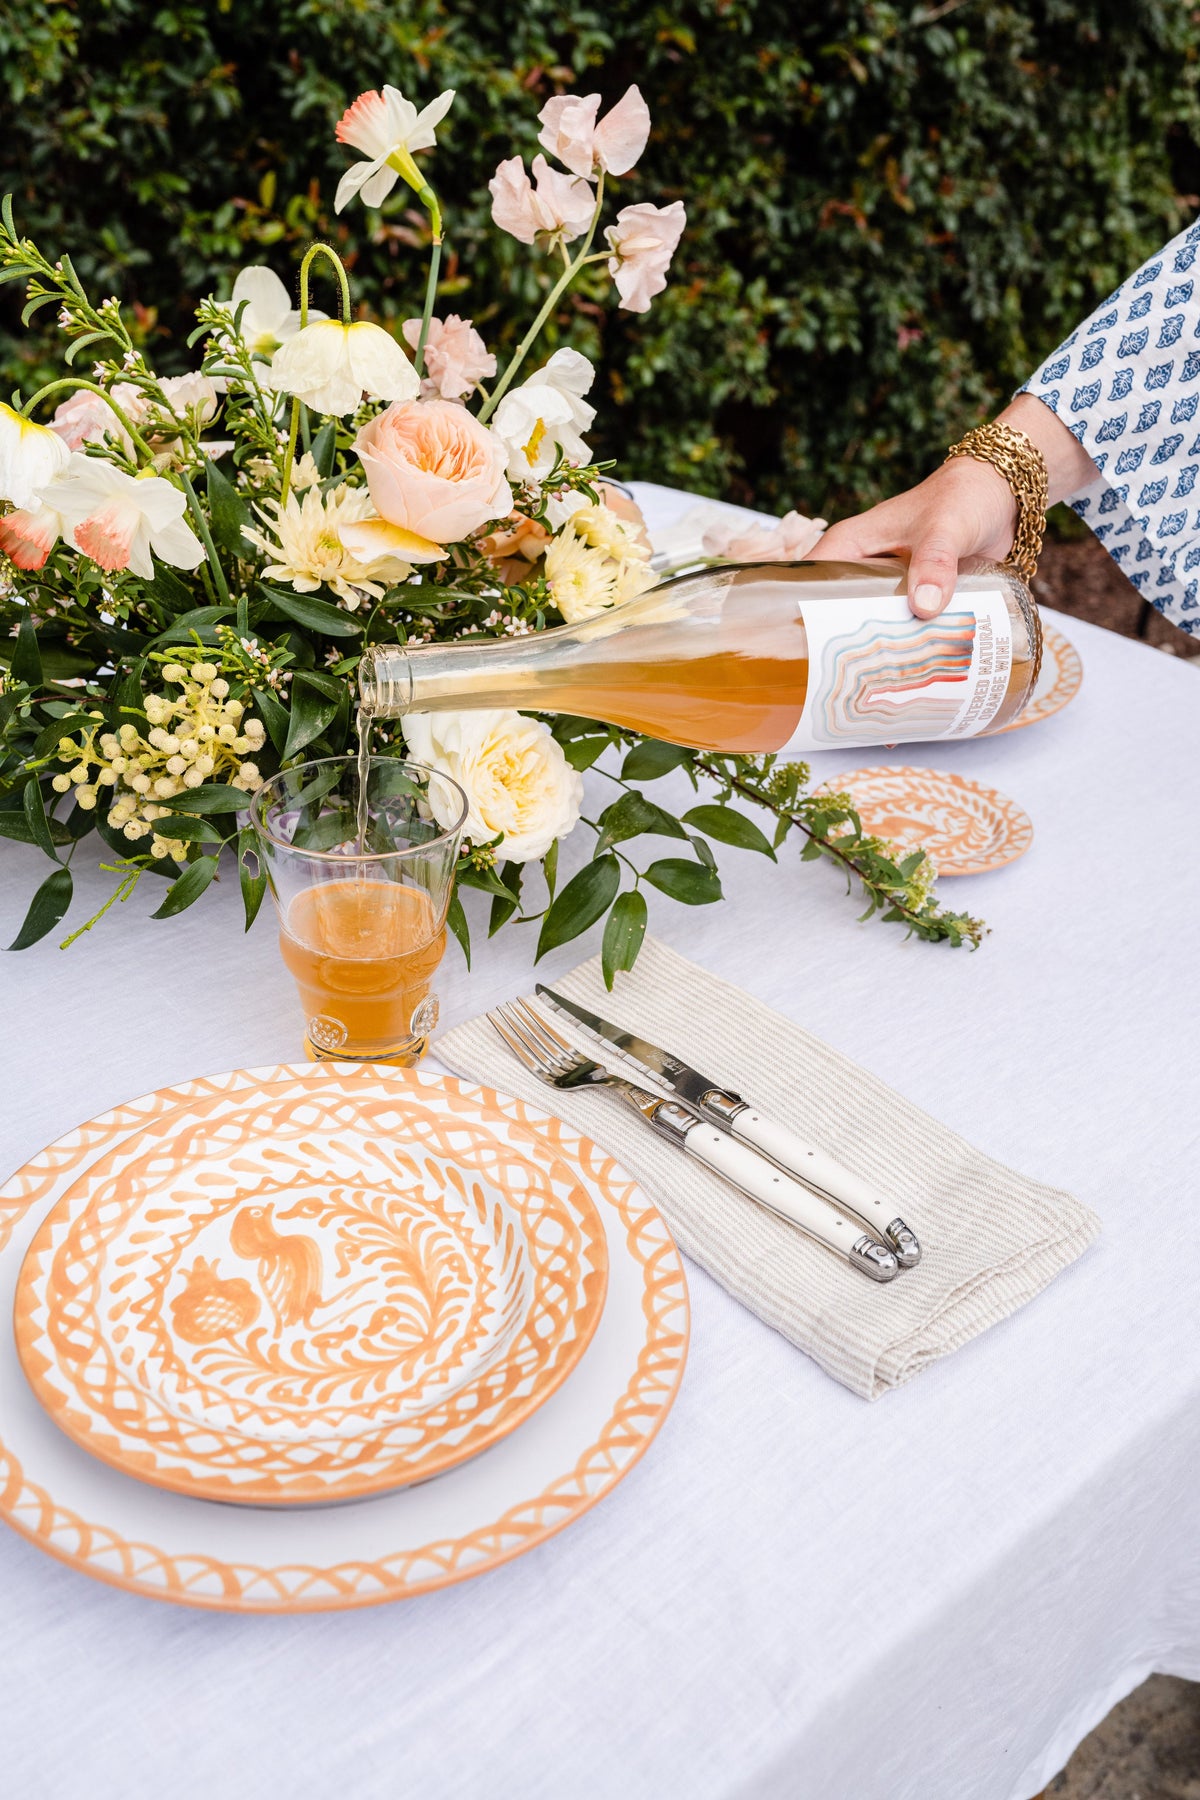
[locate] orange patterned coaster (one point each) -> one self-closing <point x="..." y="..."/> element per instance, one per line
<point x="966" y="829"/>
<point x="1058" y="683"/>
<point x="568" y="1454"/>
<point x="317" y="1295"/>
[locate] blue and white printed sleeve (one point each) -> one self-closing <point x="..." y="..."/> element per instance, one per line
<point x="1127" y="384"/>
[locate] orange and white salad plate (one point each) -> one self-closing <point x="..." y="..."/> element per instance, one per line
<point x="313" y="1295"/>
<point x="1058" y="683"/>
<point x="966" y="828"/>
<point x="599" y="1414"/>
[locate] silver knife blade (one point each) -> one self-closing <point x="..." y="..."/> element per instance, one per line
<point x="680" y="1077"/>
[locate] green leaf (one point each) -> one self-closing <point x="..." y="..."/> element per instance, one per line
<point x="228" y="514"/>
<point x="16" y="826"/>
<point x="77" y="823"/>
<point x="703" y="850"/>
<point x="550" y="867"/>
<point x="313" y="615"/>
<point x="189" y="887"/>
<point x="200" y="620"/>
<point x="82" y="343"/>
<point x="27" y="658"/>
<point x="189" y="829"/>
<point x="505" y="905"/>
<point x="688" y="882"/>
<point x="274" y="716"/>
<point x="254" y="886"/>
<point x="35" y="817"/>
<point x="487" y="881"/>
<point x="212" y="797"/>
<point x="311" y="712"/>
<point x="31" y="306"/>
<point x="456" y="920"/>
<point x="650" y="760"/>
<point x="47" y="739"/>
<point x="175" y="595"/>
<point x="46" y="908"/>
<point x="624" y="930"/>
<point x="632" y="815"/>
<point x="128" y="697"/>
<point x="729" y="827"/>
<point x="582" y="752"/>
<point x="580" y="904"/>
<point x="324" y="446"/>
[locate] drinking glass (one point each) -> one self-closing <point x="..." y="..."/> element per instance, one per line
<point x="361" y="869"/>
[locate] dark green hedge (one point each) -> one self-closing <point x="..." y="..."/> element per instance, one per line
<point x="894" y="209"/>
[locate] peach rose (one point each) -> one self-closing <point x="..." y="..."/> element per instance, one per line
<point x="434" y="469"/>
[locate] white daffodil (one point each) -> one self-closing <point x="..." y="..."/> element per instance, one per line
<point x="309" y="549"/>
<point x="268" y="318"/>
<point x="122" y="521"/>
<point x="387" y="128"/>
<point x="545" y="415"/>
<point x="30" y="456"/>
<point x="330" y="366"/>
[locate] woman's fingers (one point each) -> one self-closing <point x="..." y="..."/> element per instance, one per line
<point x="843" y="542"/>
<point x="932" y="571"/>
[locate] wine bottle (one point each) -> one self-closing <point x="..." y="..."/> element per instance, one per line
<point x="750" y="657"/>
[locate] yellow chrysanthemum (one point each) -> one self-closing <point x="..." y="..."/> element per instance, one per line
<point x="307" y="549"/>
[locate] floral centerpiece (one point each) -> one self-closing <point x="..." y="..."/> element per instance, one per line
<point x="191" y="566"/>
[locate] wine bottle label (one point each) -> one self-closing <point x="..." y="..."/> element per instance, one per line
<point x="878" y="675"/>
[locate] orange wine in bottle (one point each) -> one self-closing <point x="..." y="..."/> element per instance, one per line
<point x="749" y="658"/>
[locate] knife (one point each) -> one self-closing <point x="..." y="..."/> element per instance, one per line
<point x="722" y="1107"/>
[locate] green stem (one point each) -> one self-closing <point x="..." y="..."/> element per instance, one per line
<point x="77" y="384"/>
<point x="435" y="260"/>
<point x="556" y="292"/>
<point x="343" y="279"/>
<point x="289" y="454"/>
<point x="210" y="549"/>
<point x="406" y="167"/>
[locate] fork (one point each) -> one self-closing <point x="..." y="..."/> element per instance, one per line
<point x="536" y="1044"/>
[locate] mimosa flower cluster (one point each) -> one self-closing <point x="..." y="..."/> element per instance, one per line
<point x="191" y="565"/>
<point x="195" y="736"/>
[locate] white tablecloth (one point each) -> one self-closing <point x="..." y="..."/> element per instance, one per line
<point x="795" y="1594"/>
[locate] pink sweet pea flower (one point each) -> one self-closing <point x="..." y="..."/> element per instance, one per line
<point x="558" y="210"/>
<point x="86" y="418"/>
<point x="571" y="132"/>
<point x="456" y="357"/>
<point x="791" y="540"/>
<point x="643" y="242"/>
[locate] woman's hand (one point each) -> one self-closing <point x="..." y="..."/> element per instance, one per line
<point x="964" y="509"/>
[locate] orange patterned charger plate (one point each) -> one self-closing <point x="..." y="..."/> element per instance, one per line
<point x="567" y="1455"/>
<point x="967" y="829"/>
<point x="314" y="1296"/>
<point x="1058" y="683"/>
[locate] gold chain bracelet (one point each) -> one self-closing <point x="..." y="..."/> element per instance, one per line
<point x="1024" y="468"/>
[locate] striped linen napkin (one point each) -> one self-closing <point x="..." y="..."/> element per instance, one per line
<point x="992" y="1238"/>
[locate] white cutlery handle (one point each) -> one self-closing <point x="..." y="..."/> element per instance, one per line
<point x="746" y="1170"/>
<point x="814" y="1166"/>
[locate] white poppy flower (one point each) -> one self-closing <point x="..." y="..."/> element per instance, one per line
<point x="330" y="366"/>
<point x="30" y="456"/>
<point x="268" y="318"/>
<point x="546" y="414"/>
<point x="384" y="126"/>
<point x="122" y="521"/>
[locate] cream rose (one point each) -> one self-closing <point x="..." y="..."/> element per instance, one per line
<point x="515" y="776"/>
<point x="434" y="469"/>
